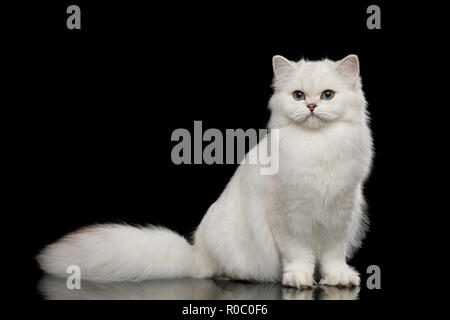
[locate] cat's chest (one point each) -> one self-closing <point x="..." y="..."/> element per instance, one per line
<point x="322" y="163"/>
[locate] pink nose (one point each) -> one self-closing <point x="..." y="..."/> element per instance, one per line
<point x="311" y="106"/>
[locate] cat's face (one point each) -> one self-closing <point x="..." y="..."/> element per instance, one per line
<point x="314" y="94"/>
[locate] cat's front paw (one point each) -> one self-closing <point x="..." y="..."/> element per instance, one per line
<point x="298" y="279"/>
<point x="341" y="277"/>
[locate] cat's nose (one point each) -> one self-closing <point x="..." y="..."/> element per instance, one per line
<point x="311" y="106"/>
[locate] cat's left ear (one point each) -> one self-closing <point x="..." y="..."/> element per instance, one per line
<point x="348" y="68"/>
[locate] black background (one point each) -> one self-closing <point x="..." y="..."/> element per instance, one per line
<point x="100" y="104"/>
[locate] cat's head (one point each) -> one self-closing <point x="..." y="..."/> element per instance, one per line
<point x="313" y="94"/>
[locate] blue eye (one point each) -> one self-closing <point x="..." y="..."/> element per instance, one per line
<point x="298" y="95"/>
<point x="327" y="95"/>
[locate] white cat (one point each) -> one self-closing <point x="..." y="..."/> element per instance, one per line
<point x="262" y="227"/>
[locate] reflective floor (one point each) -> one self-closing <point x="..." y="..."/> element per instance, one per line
<point x="52" y="288"/>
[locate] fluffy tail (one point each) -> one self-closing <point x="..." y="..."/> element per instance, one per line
<point x="114" y="252"/>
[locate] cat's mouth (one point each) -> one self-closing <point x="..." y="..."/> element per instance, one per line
<point x="312" y="117"/>
<point x="312" y="121"/>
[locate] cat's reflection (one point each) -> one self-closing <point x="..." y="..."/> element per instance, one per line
<point x="52" y="288"/>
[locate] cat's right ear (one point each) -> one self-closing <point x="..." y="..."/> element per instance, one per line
<point x="282" y="67"/>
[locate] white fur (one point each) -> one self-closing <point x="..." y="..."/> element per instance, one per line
<point x="264" y="228"/>
<point x="120" y="252"/>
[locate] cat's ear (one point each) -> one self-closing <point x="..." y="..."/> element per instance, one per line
<point x="348" y="68"/>
<point x="282" y="67"/>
